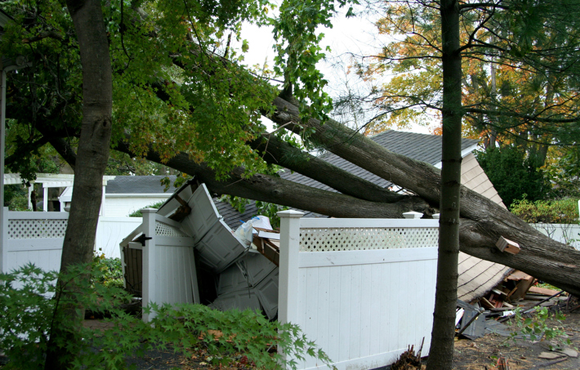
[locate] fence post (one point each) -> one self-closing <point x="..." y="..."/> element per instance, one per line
<point x="149" y="266"/>
<point x="4" y="240"/>
<point x="288" y="278"/>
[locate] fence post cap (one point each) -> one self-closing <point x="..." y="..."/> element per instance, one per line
<point x="412" y="214"/>
<point x="148" y="210"/>
<point x="290" y="214"/>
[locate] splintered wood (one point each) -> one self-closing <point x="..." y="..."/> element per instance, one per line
<point x="409" y="360"/>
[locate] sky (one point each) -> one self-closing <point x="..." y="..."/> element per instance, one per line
<point x="355" y="35"/>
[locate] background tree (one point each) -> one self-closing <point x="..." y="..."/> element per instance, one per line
<point x="519" y="83"/>
<point x="514" y="174"/>
<point x="443" y="332"/>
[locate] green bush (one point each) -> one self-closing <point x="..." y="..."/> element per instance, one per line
<point x="154" y="205"/>
<point x="16" y="197"/>
<point x="537" y="326"/>
<point x="28" y="317"/>
<point x="563" y="211"/>
<point x="514" y="173"/>
<point x="111" y="270"/>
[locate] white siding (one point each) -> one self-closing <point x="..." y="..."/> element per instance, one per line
<point x="123" y="206"/>
<point x="474" y="178"/>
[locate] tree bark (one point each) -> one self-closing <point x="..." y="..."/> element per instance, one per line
<point x="541" y="256"/>
<point x="443" y="333"/>
<point x="483" y="221"/>
<point x="92" y="156"/>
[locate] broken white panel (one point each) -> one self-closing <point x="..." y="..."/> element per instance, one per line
<point x="255" y="266"/>
<point x="219" y="248"/>
<point x="267" y="292"/>
<point x="204" y="215"/>
<point x="262" y="297"/>
<point x="241" y="300"/>
<point x="248" y="271"/>
<point x="172" y="204"/>
<point x="231" y="280"/>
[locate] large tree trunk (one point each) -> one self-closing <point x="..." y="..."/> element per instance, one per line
<point x="443" y="333"/>
<point x="540" y="256"/>
<point x="483" y="221"/>
<point x="93" y="153"/>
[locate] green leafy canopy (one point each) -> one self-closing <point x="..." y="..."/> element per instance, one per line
<point x="178" y="84"/>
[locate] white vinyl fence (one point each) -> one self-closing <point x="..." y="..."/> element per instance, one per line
<point x="363" y="289"/>
<point x="32" y="237"/>
<point x="111" y="231"/>
<point x="168" y="265"/>
<point x="564" y="233"/>
<point x="37" y="237"/>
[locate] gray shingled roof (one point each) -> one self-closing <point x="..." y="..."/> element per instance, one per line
<point x="139" y="185"/>
<point x="231" y="216"/>
<point x="421" y="147"/>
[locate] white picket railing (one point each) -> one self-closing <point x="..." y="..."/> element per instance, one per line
<point x="363" y="289"/>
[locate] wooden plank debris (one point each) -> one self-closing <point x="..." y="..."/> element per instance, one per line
<point x="542" y="291"/>
<point x="524" y="282"/>
<point x="507" y="246"/>
<point x="269" y="248"/>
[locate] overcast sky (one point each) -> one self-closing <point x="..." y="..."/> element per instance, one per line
<point x="355" y="35"/>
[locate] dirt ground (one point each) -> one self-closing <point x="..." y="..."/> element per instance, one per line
<point x="524" y="354"/>
<point x="480" y="354"/>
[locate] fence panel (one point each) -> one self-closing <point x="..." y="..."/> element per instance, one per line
<point x="111" y="231"/>
<point x="564" y="233"/>
<point x="33" y="237"/>
<point x="169" y="274"/>
<point x="364" y="290"/>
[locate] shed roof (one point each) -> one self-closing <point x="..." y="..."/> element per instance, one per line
<point x="139" y="185"/>
<point x="421" y="147"/>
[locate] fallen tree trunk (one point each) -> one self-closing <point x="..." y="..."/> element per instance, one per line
<point x="278" y="152"/>
<point x="483" y="221"/>
<point x="276" y="190"/>
<point x="541" y="256"/>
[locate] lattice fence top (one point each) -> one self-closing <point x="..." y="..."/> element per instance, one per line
<point x="36" y="229"/>
<point x="346" y="239"/>
<point x="162" y="229"/>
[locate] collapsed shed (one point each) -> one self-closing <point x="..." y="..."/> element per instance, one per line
<point x="335" y="279"/>
<point x="189" y="235"/>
